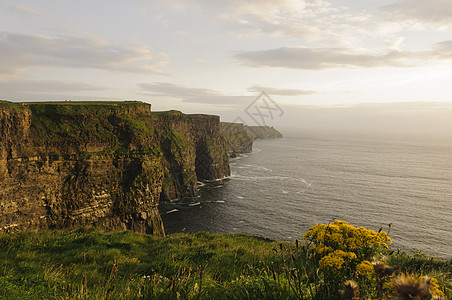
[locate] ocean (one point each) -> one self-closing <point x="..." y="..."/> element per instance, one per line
<point x="287" y="185"/>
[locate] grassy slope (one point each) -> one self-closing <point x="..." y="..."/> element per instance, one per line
<point x="79" y="123"/>
<point x="89" y="264"/>
<point x="11" y="105"/>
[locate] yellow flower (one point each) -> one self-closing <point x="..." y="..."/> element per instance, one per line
<point x="336" y="259"/>
<point x="342" y="236"/>
<point x="322" y="249"/>
<point x="331" y="261"/>
<point x="365" y="268"/>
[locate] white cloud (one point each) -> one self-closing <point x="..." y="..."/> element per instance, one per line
<point x="26" y="10"/>
<point x="40" y="86"/>
<point x="273" y="91"/>
<point x="305" y="20"/>
<point x="24" y="90"/>
<point x="443" y="50"/>
<point x="192" y="95"/>
<point x="319" y="58"/>
<point x="437" y="12"/>
<point x="20" y="52"/>
<point x="316" y="20"/>
<point x="331" y="58"/>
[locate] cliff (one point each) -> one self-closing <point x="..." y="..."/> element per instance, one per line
<point x="102" y="164"/>
<point x="237" y="138"/>
<point x="263" y="132"/>
<point x="194" y="149"/>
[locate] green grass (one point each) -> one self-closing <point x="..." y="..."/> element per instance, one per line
<point x="84" y="103"/>
<point x="15" y="106"/>
<point x="72" y="125"/>
<point x="87" y="263"/>
<point x="90" y="264"/>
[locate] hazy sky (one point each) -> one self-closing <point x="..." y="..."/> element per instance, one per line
<point x="316" y="57"/>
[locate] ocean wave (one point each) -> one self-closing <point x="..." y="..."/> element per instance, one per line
<point x="253" y="167"/>
<point x="262" y="168"/>
<point x="217" y="180"/>
<point x="262" y="178"/>
<point x="238" y="157"/>
<point x="201" y="184"/>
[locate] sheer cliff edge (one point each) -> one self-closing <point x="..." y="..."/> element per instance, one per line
<point x="101" y="164"/>
<point x="239" y="137"/>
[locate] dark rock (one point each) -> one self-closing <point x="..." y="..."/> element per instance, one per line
<point x="237" y="138"/>
<point x="102" y="164"/>
<point x="194" y="150"/>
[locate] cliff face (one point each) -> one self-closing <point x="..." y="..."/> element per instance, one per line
<point x="194" y="149"/>
<point x="100" y="164"/>
<point x="237" y="138"/>
<point x="65" y="165"/>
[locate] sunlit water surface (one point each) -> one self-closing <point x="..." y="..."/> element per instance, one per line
<point x="290" y="184"/>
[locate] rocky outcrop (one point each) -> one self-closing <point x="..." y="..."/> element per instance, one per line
<point x="263" y="132"/>
<point x="237" y="138"/>
<point x="103" y="164"/>
<point x="194" y="149"/>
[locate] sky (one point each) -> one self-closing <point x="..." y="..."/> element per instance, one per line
<point x="383" y="64"/>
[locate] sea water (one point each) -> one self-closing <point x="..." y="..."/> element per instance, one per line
<point x="287" y="185"/>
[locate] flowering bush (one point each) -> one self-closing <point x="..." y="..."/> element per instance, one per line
<point x="360" y="242"/>
<point x="344" y="252"/>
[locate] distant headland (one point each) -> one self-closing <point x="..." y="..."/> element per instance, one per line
<point x="239" y="137"/>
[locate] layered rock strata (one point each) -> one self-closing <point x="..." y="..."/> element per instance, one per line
<point x="194" y="150"/>
<point x="103" y="164"/>
<point x="237" y="138"/>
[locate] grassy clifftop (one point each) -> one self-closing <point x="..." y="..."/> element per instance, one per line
<point x="11" y="105"/>
<point x="89" y="264"/>
<point x="93" y="126"/>
<point x="72" y="127"/>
